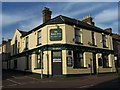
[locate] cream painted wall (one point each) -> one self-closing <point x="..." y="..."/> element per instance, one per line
<point x="64" y="63"/>
<point x="17" y="35"/>
<point x="86" y="37"/>
<point x="69" y="30"/>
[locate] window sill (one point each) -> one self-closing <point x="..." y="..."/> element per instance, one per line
<point x="78" y="43"/>
<point x="38" y="44"/>
<point x="36" y="68"/>
<point x="107" y="67"/>
<point x="105" y="47"/>
<point x="79" y="67"/>
<point x="94" y="45"/>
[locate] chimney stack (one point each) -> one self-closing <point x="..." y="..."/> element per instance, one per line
<point x="89" y="20"/>
<point x="46" y="14"/>
<point x="108" y="30"/>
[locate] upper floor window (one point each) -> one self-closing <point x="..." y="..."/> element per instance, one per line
<point x="93" y="38"/>
<point x="56" y="34"/>
<point x="15" y="48"/>
<point x="27" y="42"/>
<point x="18" y="47"/>
<point x="39" y="37"/>
<point x="77" y="35"/>
<point x="104" y="40"/>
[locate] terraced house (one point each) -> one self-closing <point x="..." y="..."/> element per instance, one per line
<point x="63" y="46"/>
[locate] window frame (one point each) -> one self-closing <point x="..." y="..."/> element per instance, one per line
<point x="79" y="59"/>
<point x="27" y="42"/>
<point x="38" y="65"/>
<point x="93" y="38"/>
<point x="105" y="62"/>
<point x="39" y="36"/>
<point x="78" y="35"/>
<point x="104" y="40"/>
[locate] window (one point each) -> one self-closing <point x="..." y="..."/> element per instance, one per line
<point x="105" y="61"/>
<point x="26" y="43"/>
<point x="77" y="36"/>
<point x="39" y="37"/>
<point x="18" y="47"/>
<point x="93" y="38"/>
<point x="38" y="61"/>
<point x="69" y="52"/>
<point x="15" y="63"/>
<point x="104" y="39"/>
<point x="15" y="46"/>
<point x="99" y="61"/>
<point x="78" y="60"/>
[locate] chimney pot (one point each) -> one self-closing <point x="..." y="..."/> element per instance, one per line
<point x="88" y="20"/>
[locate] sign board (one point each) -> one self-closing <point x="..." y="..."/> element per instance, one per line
<point x="69" y="61"/>
<point x="57" y="60"/>
<point x="56" y="34"/>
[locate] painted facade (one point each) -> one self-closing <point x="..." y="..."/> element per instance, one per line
<point x="63" y="46"/>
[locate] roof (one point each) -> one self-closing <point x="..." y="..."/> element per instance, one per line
<point x="70" y="21"/>
<point x="22" y="32"/>
<point x="116" y="36"/>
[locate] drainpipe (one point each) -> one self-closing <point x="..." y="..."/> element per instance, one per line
<point x="41" y="53"/>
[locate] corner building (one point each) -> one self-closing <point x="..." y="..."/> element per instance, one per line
<point x="63" y="46"/>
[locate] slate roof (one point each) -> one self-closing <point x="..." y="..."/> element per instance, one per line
<point x="116" y="37"/>
<point x="24" y="33"/>
<point x="66" y="20"/>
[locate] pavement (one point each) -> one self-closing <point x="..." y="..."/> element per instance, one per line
<point x="15" y="80"/>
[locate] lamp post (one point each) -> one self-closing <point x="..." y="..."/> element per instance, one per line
<point x="41" y="64"/>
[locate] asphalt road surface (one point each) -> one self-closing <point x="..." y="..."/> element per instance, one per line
<point x="14" y="80"/>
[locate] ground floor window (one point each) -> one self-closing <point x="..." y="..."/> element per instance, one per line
<point x="105" y="60"/>
<point x="38" y="61"/>
<point x="15" y="63"/>
<point x="78" y="59"/>
<point x="99" y="61"/>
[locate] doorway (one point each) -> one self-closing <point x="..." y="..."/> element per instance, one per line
<point x="94" y="63"/>
<point x="57" y="62"/>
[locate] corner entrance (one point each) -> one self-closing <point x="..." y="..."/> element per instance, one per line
<point x="56" y="62"/>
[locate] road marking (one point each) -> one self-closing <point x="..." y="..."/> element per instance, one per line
<point x="13" y="81"/>
<point x="86" y="86"/>
<point x="31" y="77"/>
<point x="12" y="85"/>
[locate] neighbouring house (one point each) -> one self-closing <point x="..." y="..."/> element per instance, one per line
<point x="5" y="52"/>
<point x="116" y="47"/>
<point x="63" y="46"/>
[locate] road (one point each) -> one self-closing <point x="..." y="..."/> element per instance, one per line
<point x="19" y="80"/>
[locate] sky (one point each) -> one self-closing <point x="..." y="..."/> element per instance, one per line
<point x="27" y="15"/>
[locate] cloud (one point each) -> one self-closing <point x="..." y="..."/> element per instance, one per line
<point x="26" y="26"/>
<point x="113" y="25"/>
<point x="8" y="19"/>
<point x="106" y="16"/>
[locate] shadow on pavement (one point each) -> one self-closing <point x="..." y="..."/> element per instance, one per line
<point x="10" y="73"/>
<point x="112" y="84"/>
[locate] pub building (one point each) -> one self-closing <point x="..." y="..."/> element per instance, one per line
<point x="62" y="46"/>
